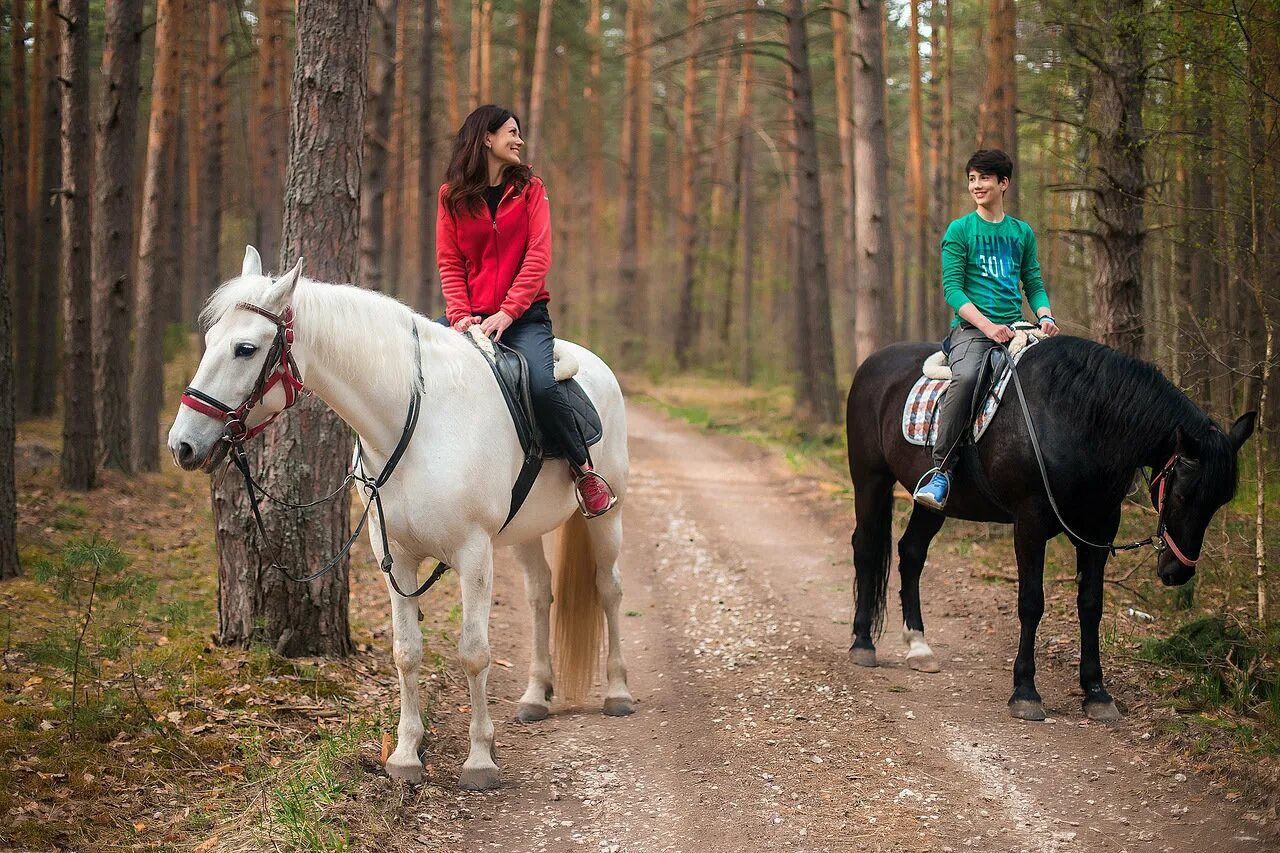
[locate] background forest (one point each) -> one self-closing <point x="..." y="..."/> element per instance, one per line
<point x="745" y="193"/>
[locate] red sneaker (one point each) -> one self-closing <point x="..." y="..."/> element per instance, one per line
<point x="594" y="495"/>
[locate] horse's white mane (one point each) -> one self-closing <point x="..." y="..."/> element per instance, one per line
<point x="361" y="334"/>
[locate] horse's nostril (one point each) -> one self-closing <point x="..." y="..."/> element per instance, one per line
<point x="185" y="453"/>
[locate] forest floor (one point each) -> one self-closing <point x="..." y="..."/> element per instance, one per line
<point x="752" y="730"/>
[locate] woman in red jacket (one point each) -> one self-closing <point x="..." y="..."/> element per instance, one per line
<point x="493" y="248"/>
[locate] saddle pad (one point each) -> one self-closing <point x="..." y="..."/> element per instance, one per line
<point x="920" y="414"/>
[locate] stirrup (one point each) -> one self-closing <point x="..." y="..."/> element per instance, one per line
<point x="577" y="493"/>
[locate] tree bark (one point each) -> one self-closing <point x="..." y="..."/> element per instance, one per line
<point x="595" y="165"/>
<point x="814" y="326"/>
<point x="934" y="308"/>
<point x="45" y="320"/>
<point x="453" y="95"/>
<point x="10" y="566"/>
<point x="20" y="212"/>
<point x="486" y="51"/>
<point x="116" y="158"/>
<point x="687" y="313"/>
<point x="271" y="128"/>
<point x="997" y="109"/>
<point x="377" y="131"/>
<point x="426" y="299"/>
<point x="154" y="283"/>
<point x="533" y="134"/>
<point x="874" y="254"/>
<point x="845" y="279"/>
<point x="78" y="463"/>
<point x="213" y="142"/>
<point x="632" y="305"/>
<point x="306" y="451"/>
<point x="746" y="203"/>
<point x="396" y="215"/>
<point x="917" y="307"/>
<point x="473" y="58"/>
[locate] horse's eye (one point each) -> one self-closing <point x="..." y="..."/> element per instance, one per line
<point x="245" y="350"/>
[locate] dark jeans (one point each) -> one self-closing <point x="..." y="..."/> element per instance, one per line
<point x="969" y="348"/>
<point x="531" y="336"/>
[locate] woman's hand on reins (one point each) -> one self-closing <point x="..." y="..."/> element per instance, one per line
<point x="495" y="324"/>
<point x="464" y="323"/>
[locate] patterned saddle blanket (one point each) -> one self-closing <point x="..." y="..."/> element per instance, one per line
<point x="920" y="414"/>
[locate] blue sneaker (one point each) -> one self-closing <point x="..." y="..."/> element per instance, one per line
<point x="933" y="494"/>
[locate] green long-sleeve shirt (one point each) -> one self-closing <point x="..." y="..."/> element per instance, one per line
<point x="982" y="263"/>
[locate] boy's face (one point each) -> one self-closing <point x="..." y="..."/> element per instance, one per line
<point x="987" y="190"/>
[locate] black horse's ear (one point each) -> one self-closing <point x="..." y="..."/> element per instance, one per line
<point x="1243" y="428"/>
<point x="1188" y="446"/>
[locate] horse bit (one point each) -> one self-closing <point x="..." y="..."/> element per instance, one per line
<point x="280" y="368"/>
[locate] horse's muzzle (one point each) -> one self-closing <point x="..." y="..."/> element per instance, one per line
<point x="1173" y="573"/>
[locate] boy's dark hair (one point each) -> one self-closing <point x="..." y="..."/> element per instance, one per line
<point x="990" y="161"/>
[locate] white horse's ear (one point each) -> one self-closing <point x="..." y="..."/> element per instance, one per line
<point x="252" y="262"/>
<point x="281" y="293"/>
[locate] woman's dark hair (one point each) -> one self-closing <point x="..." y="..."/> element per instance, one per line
<point x="468" y="174"/>
<point x="989" y="161"/>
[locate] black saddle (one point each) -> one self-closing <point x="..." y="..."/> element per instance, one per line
<point x="512" y="373"/>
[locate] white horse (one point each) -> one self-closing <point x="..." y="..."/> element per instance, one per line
<point x="450" y="493"/>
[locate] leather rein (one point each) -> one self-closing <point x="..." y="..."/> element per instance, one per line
<point x="280" y="368"/>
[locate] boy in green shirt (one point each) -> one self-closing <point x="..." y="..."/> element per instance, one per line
<point x="984" y="257"/>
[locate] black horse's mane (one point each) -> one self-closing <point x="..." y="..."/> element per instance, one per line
<point x="1130" y="409"/>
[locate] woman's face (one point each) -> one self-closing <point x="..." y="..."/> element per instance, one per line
<point x="504" y="143"/>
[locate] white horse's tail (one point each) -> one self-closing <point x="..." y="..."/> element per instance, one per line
<point x="578" y="616"/>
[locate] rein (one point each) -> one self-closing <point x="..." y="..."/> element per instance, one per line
<point x="1159" y="540"/>
<point x="285" y="371"/>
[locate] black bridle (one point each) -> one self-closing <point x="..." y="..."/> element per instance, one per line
<point x="280" y="367"/>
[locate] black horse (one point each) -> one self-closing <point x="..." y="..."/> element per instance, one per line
<point x="1100" y="416"/>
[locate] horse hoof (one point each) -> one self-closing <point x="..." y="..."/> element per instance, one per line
<point x="530" y="713"/>
<point x="478" y="778"/>
<point x="1027" y="709"/>
<point x="616" y="706"/>
<point x="924" y="663"/>
<point x="405" y="771"/>
<point x="863" y="657"/>
<point x="1102" y="712"/>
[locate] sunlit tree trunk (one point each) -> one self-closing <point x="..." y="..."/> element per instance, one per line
<point x="844" y="280"/>
<point x="453" y="94"/>
<point x="307" y="450"/>
<point x="916" y="265"/>
<point x="934" y="306"/>
<point x="473" y="57"/>
<point x="78" y="463"/>
<point x="874" y="255"/>
<point x="154" y="284"/>
<point x="533" y="133"/>
<point x="486" y="51"/>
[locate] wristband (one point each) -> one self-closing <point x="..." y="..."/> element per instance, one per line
<point x="1048" y="317"/>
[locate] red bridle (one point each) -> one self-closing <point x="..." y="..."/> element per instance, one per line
<point x="279" y="368"/>
<point x="1158" y="499"/>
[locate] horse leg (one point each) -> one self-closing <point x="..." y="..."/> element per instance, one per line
<point x="913" y="547"/>
<point x="475" y="572"/>
<point x="1090" y="563"/>
<point x="606" y="542"/>
<point x="535" y="704"/>
<point x="404" y="763"/>
<point x="872" y="542"/>
<point x="1029" y="542"/>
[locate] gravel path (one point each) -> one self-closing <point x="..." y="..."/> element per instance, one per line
<point x="752" y="730"/>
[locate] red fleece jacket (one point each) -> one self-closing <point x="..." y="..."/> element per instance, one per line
<point x="487" y="265"/>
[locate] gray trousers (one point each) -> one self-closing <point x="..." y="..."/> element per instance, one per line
<point x="969" y="348"/>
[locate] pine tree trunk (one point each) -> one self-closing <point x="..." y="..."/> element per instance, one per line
<point x="915" y="269"/>
<point x="644" y="155"/>
<point x="207" y="272"/>
<point x="155" y="285"/>
<point x="486" y="51"/>
<point x="997" y="109"/>
<point x="846" y="283"/>
<point x="116" y="155"/>
<point x="686" y="315"/>
<point x="377" y="130"/>
<point x="819" y="362"/>
<point x="20" y="212"/>
<point x="271" y="128"/>
<point x="9" y="564"/>
<point x="453" y="95"/>
<point x="874" y="321"/>
<point x="78" y="463"/>
<point x="473" y="58"/>
<point x="935" y="308"/>
<point x="595" y="165"/>
<point x="396" y="214"/>
<point x="746" y="202"/>
<point x="632" y="306"/>
<point x="45" y="319"/>
<point x="533" y="133"/>
<point x="426" y="298"/>
<point x="306" y="451"/>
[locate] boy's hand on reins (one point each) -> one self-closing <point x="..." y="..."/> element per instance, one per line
<point x="998" y="332"/>
<point x="1048" y="326"/>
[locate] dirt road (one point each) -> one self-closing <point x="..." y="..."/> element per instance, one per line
<point x="752" y="730"/>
